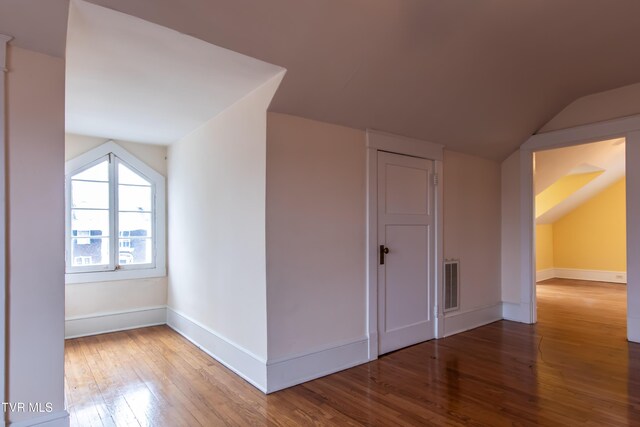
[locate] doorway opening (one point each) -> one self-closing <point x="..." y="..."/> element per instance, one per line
<point x="580" y="234"/>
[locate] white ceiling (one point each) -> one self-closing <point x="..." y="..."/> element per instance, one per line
<point x="133" y="80"/>
<point x="551" y="165"/>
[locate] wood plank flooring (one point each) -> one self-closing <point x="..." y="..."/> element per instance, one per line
<point x="574" y="367"/>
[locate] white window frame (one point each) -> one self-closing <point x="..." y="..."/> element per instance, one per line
<point x="114" y="271"/>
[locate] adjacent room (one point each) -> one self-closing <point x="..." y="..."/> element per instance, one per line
<point x="294" y="213"/>
<point x="580" y="235"/>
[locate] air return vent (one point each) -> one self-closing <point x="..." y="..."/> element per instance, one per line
<point x="451" y="284"/>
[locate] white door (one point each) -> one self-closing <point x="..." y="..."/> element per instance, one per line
<point x="405" y="251"/>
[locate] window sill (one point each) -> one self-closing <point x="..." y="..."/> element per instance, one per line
<point x="109" y="276"/>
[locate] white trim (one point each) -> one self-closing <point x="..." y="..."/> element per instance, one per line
<point x="111" y="147"/>
<point x="276" y="374"/>
<point x="4" y="39"/>
<point x="159" y="181"/>
<point x="592" y="275"/>
<point x="460" y="321"/>
<point x="599" y="131"/>
<point x="633" y="329"/>
<point x="376" y="140"/>
<point x="247" y="365"/>
<point x="527" y="238"/>
<point x="53" y="419"/>
<point x="515" y="312"/>
<point x="102" y="323"/>
<point x="546" y="274"/>
<point x="403" y="145"/>
<point x="632" y="151"/>
<point x="625" y="127"/>
<point x="313" y="350"/>
<point x="439" y="255"/>
<point x="297" y="369"/>
<point x="112" y="276"/>
<point x="372" y="252"/>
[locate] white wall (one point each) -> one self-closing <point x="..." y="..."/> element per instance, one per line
<point x="96" y="298"/>
<point x="216" y="176"/>
<point x="316" y="201"/>
<point x="510" y="214"/>
<point x="35" y="112"/>
<point x="154" y="156"/>
<point x="315" y="235"/>
<point x="86" y="300"/>
<point x="471" y="188"/>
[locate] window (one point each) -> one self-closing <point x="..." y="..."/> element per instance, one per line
<point x="115" y="225"/>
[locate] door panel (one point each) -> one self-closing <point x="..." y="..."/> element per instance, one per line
<point x="405" y="227"/>
<point x="407" y="303"/>
<point x="407" y="190"/>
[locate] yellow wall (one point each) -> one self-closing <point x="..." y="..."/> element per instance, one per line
<point x="544" y="247"/>
<point x="561" y="189"/>
<point x="593" y="236"/>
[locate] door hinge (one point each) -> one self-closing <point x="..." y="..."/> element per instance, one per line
<point x="435" y="179"/>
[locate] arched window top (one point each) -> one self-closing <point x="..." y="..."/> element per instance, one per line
<point x="115" y="217"/>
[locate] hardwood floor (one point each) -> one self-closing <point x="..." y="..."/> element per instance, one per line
<point x="574" y="367"/>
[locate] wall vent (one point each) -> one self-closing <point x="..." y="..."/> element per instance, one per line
<point x="451" y="284"/>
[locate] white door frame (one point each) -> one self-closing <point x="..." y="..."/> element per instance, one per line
<point x="628" y="128"/>
<point x="381" y="141"/>
<point x="4" y="39"/>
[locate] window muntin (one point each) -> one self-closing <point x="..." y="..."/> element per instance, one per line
<point x="104" y="195"/>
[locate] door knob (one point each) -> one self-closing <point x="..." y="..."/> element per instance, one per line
<point x="383" y="250"/>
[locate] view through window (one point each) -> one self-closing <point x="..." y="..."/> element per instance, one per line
<point x="111" y="217"/>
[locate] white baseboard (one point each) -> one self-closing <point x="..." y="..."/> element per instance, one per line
<point x="594" y="275"/>
<point x="292" y="370"/>
<point x="241" y="361"/>
<point x="546" y="274"/>
<point x="579" y="274"/>
<point x="53" y="419"/>
<point x="460" y="321"/>
<point x="101" y="323"/>
<point x="633" y="329"/>
<point x="516" y="312"/>
<point x="276" y="374"/>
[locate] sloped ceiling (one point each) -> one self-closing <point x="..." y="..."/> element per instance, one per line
<point x="129" y="79"/>
<point x="607" y="105"/>
<point x="39" y="25"/>
<point x="606" y="158"/>
<point x="477" y="76"/>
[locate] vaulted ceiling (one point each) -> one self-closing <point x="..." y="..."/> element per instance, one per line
<point x="129" y="79"/>
<point x="593" y="167"/>
<point x="477" y="76"/>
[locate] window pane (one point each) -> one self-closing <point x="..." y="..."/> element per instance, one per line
<point x="135" y="224"/>
<point x="132" y="198"/>
<point x="89" y="251"/>
<point x="128" y="176"/>
<point x="89" y="194"/>
<point x="89" y="223"/>
<point x="99" y="172"/>
<point x="135" y="251"/>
